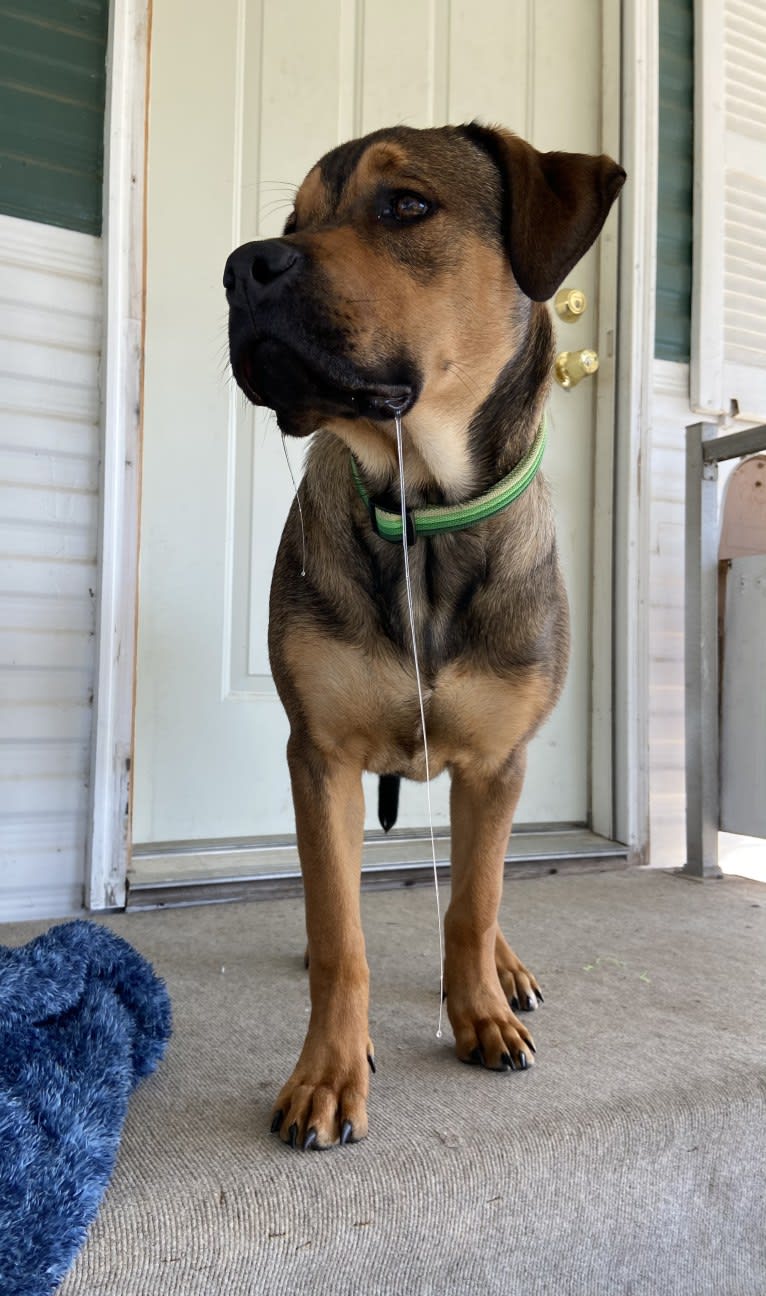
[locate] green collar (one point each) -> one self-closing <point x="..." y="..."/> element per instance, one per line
<point x="455" y="517"/>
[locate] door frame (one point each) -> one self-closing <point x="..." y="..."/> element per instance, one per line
<point x="637" y="292"/>
<point x="619" y="734"/>
<point x="124" y="244"/>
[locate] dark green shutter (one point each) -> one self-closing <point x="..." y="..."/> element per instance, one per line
<point x="52" y="85"/>
<point x="676" y="166"/>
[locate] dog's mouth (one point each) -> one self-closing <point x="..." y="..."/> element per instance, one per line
<point x="244" y="373"/>
<point x="274" y="374"/>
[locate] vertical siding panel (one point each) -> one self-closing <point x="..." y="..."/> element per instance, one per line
<point x="667" y="795"/>
<point x="49" y="452"/>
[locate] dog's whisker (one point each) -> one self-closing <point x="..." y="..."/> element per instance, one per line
<point x="271" y="184"/>
<point x="274" y="205"/>
<point x="460" y="374"/>
<point x="222" y="360"/>
<point x="280" y="184"/>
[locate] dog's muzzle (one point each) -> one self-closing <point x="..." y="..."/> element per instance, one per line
<point x="285" y="350"/>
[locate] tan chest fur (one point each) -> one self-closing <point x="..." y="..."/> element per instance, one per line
<point x="365" y="707"/>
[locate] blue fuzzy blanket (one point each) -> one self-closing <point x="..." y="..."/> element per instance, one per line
<point x="82" y="1018"/>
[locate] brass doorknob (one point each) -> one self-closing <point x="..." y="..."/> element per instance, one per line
<point x="570" y="303"/>
<point x="572" y="366"/>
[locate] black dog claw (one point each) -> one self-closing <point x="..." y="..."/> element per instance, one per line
<point x="310" y="1140"/>
<point x="539" y="994"/>
<point x="293" y="1131"/>
<point x="523" y="1061"/>
<point x="506" y="1061"/>
<point x="371" y="1060"/>
<point x="276" y="1122"/>
<point x="515" y="1005"/>
<point x="346" y="1131"/>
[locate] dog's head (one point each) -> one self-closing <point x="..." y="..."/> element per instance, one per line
<point x="406" y="274"/>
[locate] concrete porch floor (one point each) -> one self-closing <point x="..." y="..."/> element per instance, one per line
<point x="629" y="1160"/>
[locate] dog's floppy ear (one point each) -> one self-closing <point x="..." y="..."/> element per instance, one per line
<point x="554" y="206"/>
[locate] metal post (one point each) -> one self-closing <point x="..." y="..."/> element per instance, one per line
<point x="701" y="632"/>
<point x="701" y="656"/>
<point x="704" y="451"/>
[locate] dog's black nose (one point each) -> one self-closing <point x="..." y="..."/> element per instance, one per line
<point x="259" y="264"/>
<point x="271" y="259"/>
<point x="229" y="276"/>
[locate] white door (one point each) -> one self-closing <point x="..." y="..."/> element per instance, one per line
<point x="245" y="96"/>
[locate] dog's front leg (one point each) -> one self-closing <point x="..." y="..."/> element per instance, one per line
<point x="481" y="811"/>
<point x="325" y="1099"/>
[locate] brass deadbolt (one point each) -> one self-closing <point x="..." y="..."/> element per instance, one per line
<point x="570" y="303"/>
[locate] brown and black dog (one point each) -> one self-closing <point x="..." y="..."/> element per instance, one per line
<point x="410" y="279"/>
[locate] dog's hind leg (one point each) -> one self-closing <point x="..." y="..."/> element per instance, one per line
<point x="325" y="1099"/>
<point x="482" y="808"/>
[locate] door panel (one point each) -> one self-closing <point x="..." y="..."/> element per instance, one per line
<point x="244" y="98"/>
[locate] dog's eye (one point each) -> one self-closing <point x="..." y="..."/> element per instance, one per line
<point x="290" y="224"/>
<point x="407" y="207"/>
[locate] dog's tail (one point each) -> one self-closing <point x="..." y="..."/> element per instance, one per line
<point x="388" y="800"/>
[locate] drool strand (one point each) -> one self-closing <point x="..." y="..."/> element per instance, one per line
<point x="405" y="547"/>
<point x="298" y="502"/>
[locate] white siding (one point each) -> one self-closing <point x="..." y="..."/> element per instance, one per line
<point x="729" y="305"/>
<point x="667" y="797"/>
<point x="50" y="339"/>
<point x="745" y="201"/>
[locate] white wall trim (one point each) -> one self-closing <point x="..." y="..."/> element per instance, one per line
<point x="125" y="136"/>
<point x="638" y="258"/>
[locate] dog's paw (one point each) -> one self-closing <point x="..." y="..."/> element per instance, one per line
<point x="519" y="985"/>
<point x="488" y="1034"/>
<point x="325" y="1100"/>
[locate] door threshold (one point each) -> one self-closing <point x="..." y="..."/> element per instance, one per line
<point x="180" y="875"/>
